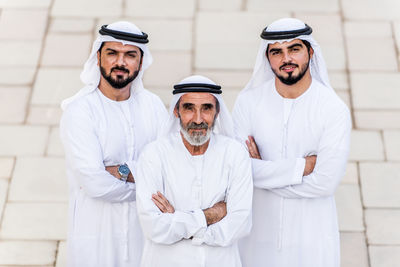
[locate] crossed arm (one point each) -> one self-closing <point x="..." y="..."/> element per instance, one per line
<point x="213" y="214"/>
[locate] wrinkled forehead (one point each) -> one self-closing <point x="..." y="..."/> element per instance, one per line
<point x="198" y="98"/>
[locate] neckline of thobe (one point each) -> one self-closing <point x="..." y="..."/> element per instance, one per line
<point x="304" y="94"/>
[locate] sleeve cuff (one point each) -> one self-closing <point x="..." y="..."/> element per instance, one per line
<point x="198" y="237"/>
<point x="132" y="167"/>
<point x="298" y="171"/>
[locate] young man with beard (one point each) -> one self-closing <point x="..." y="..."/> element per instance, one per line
<point x="297" y="131"/>
<point x="194" y="184"/>
<point x="104" y="127"/>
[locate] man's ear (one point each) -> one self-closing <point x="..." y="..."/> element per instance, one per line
<point x="311" y="52"/>
<point x="98" y="58"/>
<point x="176" y="112"/>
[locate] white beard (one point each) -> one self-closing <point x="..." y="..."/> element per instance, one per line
<point x="197" y="139"/>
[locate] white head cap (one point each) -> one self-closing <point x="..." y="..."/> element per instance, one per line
<point x="90" y="75"/>
<point x="197" y="83"/>
<point x="286" y="30"/>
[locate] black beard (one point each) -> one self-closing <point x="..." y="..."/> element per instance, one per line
<point x="290" y="80"/>
<point x="118" y="83"/>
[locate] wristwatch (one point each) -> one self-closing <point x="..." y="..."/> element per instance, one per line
<point x="124" y="171"/>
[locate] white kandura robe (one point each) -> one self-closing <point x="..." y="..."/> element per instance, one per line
<point x="294" y="217"/>
<point x="96" y="132"/>
<point x="191" y="184"/>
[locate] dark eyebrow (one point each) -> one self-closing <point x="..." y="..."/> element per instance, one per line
<point x="208" y="105"/>
<point x="110" y="49"/>
<point x="132" y="51"/>
<point x="187" y="105"/>
<point x="295" y="45"/>
<point x="274" y="50"/>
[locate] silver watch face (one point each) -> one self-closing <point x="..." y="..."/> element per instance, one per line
<point x="124" y="170"/>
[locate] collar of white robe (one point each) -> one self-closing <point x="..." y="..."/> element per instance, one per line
<point x="127" y="36"/>
<point x="267" y="34"/>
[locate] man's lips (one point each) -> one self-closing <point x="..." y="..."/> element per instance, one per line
<point x="119" y="72"/>
<point x="288" y="68"/>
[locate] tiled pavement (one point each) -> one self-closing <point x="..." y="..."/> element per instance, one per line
<point x="44" y="43"/>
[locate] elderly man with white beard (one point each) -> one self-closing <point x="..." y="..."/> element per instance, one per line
<point x="194" y="184"/>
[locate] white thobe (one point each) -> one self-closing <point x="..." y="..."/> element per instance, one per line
<point x="96" y="132"/>
<point x="294" y="217"/>
<point x="191" y="184"/>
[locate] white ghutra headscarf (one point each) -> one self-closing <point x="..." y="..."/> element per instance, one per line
<point x="286" y="30"/>
<point x="197" y="83"/>
<point x="90" y="75"/>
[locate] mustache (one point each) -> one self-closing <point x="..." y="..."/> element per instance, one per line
<point x="120" y="69"/>
<point x="288" y="64"/>
<point x="196" y="126"/>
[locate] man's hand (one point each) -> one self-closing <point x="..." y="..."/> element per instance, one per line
<point x="252" y="147"/>
<point x="113" y="170"/>
<point x="310" y="164"/>
<point x="162" y="203"/>
<point x="215" y="213"/>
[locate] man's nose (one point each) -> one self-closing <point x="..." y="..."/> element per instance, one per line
<point x="197" y="117"/>
<point x="121" y="60"/>
<point x="286" y="57"/>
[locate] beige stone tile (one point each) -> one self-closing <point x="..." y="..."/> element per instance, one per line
<point x="363" y="54"/>
<point x="377" y="119"/>
<point x="368" y="29"/>
<point x="371" y="10"/>
<point x="13" y="102"/>
<point x="17" y="140"/>
<point x="62" y="255"/>
<point x="351" y="175"/>
<point x="373" y="90"/>
<point x="24" y="4"/>
<point x="19" y="53"/>
<point x="44" y="115"/>
<point x="380" y="183"/>
<point x="228" y="79"/>
<point x="339" y="80"/>
<point x="382" y="226"/>
<point x="23" y="24"/>
<point x="349" y="208"/>
<point x="55" y="84"/>
<point x="87" y="8"/>
<point x="27" y="252"/>
<point x="17" y="75"/>
<point x="70" y="50"/>
<point x="6" y="167"/>
<point x="39" y="179"/>
<point x="164" y="9"/>
<point x="328" y="33"/>
<point x="168" y="68"/>
<point x="3" y="196"/>
<point x="32" y="221"/>
<point x="293" y="5"/>
<point x="353" y="250"/>
<point x="392" y="145"/>
<point x="222" y="5"/>
<point x="237" y="48"/>
<point x="163" y="40"/>
<point x="384" y="256"/>
<point x="71" y="25"/>
<point x="55" y="146"/>
<point x="366" y="145"/>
